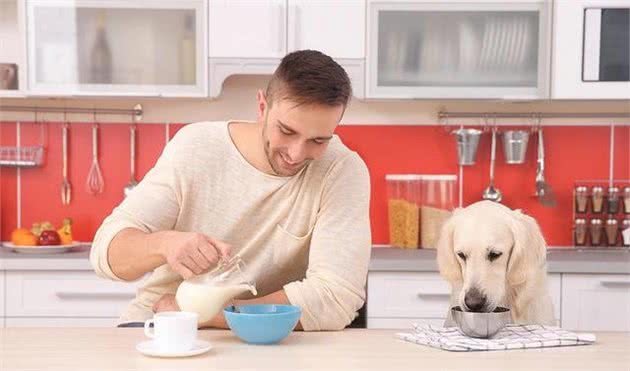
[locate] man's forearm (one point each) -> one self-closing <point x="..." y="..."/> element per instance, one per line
<point x="133" y="253"/>
<point x="278" y="297"/>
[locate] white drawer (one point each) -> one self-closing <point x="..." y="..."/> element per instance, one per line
<point x="596" y="302"/>
<point x="426" y="295"/>
<point x="61" y="322"/>
<point x="401" y="323"/>
<point x="65" y="294"/>
<point x="407" y="295"/>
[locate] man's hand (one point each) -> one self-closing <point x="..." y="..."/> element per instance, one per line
<point x="166" y="303"/>
<point x="190" y="253"/>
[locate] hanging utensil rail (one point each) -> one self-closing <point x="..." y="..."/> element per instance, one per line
<point x="136" y="111"/>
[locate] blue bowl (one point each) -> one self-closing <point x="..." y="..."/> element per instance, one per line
<point x="262" y="323"/>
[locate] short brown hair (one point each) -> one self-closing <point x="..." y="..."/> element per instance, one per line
<point x="309" y="77"/>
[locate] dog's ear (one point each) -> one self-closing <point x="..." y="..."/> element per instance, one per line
<point x="528" y="255"/>
<point x="447" y="262"/>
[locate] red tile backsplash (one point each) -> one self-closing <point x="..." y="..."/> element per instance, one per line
<point x="572" y="153"/>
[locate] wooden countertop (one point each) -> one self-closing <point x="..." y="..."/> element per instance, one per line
<point x="353" y="349"/>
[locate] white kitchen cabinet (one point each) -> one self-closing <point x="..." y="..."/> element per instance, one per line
<point x="247" y="28"/>
<point x="458" y="49"/>
<point x="245" y="37"/>
<point x="397" y="299"/>
<point x="337" y="30"/>
<point x="251" y="36"/>
<point x="596" y="302"/>
<point x="12" y="49"/>
<point x="115" y="47"/>
<point x="572" y="52"/>
<point x="263" y="28"/>
<point x="76" y="294"/>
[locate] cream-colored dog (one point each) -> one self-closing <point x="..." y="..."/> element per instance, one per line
<point x="494" y="256"/>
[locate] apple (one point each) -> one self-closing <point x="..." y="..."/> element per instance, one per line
<point x="49" y="238"/>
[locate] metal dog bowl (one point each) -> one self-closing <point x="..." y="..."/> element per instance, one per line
<point x="481" y="325"/>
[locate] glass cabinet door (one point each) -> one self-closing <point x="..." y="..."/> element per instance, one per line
<point x="463" y="50"/>
<point x="87" y="47"/>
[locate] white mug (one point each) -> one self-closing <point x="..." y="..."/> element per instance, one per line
<point x="173" y="331"/>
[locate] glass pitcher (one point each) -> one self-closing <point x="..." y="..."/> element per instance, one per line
<point x="207" y="294"/>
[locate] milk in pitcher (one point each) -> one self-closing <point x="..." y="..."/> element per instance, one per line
<point x="207" y="300"/>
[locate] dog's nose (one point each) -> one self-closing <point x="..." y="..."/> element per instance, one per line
<point x="475" y="300"/>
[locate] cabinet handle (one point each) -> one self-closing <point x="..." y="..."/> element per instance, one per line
<point x="69" y="295"/>
<point x="436" y="295"/>
<point x="615" y="283"/>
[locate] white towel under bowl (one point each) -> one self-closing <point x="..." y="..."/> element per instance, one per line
<point x="510" y="337"/>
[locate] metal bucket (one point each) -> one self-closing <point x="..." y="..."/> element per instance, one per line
<point x="515" y="146"/>
<point x="467" y="143"/>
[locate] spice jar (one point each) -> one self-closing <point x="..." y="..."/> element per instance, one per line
<point x="612" y="227"/>
<point x="581" y="199"/>
<point x="597" y="199"/>
<point x="580" y="231"/>
<point x="596" y="232"/>
<point x="613" y="200"/>
<point x="403" y="193"/>
<point x="626" y="200"/>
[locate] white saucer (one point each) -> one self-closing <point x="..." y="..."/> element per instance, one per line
<point x="150" y="348"/>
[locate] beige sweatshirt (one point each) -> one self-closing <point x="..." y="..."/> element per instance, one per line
<point x="309" y="233"/>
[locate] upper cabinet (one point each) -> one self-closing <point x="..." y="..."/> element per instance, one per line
<point x="391" y="49"/>
<point x="252" y="36"/>
<point x="335" y="29"/>
<point x="247" y="28"/>
<point x="12" y="50"/>
<point x="591" y="41"/>
<point x="464" y="49"/>
<point x="122" y="48"/>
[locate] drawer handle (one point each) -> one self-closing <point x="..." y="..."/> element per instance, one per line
<point x="436" y="295"/>
<point x="615" y="283"/>
<point x="68" y="295"/>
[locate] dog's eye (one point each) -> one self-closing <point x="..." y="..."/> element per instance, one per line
<point x="492" y="256"/>
<point x="462" y="256"/>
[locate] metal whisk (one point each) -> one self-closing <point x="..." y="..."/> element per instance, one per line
<point x="95" y="183"/>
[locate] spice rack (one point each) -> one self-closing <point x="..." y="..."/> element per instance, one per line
<point x="601" y="214"/>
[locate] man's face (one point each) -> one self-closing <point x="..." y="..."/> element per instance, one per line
<point x="294" y="135"/>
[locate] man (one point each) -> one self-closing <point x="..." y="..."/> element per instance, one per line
<point x="283" y="193"/>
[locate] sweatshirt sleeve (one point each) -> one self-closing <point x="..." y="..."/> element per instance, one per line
<point x="334" y="287"/>
<point x="152" y="206"/>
